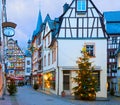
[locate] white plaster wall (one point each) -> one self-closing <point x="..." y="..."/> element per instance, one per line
<point x="27" y="66"/>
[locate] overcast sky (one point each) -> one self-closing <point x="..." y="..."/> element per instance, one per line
<point x="25" y="13"/>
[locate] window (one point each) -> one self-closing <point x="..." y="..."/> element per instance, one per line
<point x="52" y="81"/>
<point x="40" y="65"/>
<point x="28" y="62"/>
<point x="96" y="74"/>
<point x="39" y="40"/>
<point x="40" y="53"/>
<point x="114" y="40"/>
<point x="49" y="59"/>
<point x="45" y="43"/>
<point x="28" y="70"/>
<point x="44" y="60"/>
<point x="90" y="50"/>
<point x="53" y="55"/>
<point x="81" y="6"/>
<point x="48" y="39"/>
<point x="66" y="80"/>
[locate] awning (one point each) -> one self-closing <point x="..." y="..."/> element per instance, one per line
<point x="16" y="78"/>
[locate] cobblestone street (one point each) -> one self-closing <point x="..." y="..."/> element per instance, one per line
<point x="27" y="96"/>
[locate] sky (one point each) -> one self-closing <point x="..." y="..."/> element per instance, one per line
<point x="25" y="13"/>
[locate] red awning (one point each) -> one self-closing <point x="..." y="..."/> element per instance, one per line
<point x="17" y="78"/>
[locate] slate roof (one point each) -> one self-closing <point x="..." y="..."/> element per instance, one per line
<point x="38" y="27"/>
<point x="112" y="24"/>
<point x="28" y="53"/>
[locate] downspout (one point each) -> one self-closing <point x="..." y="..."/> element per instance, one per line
<point x="58" y="69"/>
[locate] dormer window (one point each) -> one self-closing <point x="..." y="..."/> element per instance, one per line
<point x="81" y="5"/>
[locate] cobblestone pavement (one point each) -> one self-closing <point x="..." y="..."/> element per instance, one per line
<point x="6" y="100"/>
<point x="27" y="96"/>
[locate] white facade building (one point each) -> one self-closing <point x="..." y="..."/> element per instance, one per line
<point x="28" y="64"/>
<point x="77" y="28"/>
<point x="81" y="24"/>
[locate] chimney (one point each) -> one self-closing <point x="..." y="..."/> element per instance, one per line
<point x="65" y="7"/>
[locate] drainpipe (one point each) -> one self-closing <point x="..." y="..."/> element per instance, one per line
<point x="58" y="69"/>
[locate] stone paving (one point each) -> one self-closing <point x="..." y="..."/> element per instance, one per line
<point x="27" y="96"/>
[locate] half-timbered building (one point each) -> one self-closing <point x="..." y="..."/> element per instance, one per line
<point x="112" y="27"/>
<point x="15" y="60"/>
<point x="81" y="24"/>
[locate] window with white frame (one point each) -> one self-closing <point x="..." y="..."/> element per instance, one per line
<point x="45" y="43"/>
<point x="28" y="70"/>
<point x="90" y="49"/>
<point x="53" y="55"/>
<point x="49" y="59"/>
<point x="81" y="5"/>
<point x="48" y="39"/>
<point x="45" y="60"/>
<point x="28" y="62"/>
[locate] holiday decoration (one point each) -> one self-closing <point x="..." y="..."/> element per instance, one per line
<point x="86" y="82"/>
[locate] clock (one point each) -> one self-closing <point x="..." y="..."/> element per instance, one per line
<point x="8" y="31"/>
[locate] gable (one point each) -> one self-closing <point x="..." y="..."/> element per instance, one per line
<point x="87" y="24"/>
<point x="47" y="29"/>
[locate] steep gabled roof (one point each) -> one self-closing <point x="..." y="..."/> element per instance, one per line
<point x="112" y="24"/>
<point x="112" y="16"/>
<point x="38" y="27"/>
<point x="47" y="18"/>
<point x="28" y="53"/>
<point x="68" y="6"/>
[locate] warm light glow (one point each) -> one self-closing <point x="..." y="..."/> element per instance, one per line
<point x="107" y="85"/>
<point x="45" y="77"/>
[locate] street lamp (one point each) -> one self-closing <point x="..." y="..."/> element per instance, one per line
<point x="8" y="30"/>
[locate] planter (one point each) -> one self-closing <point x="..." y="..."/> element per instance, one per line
<point x="63" y="93"/>
<point x="77" y="97"/>
<point x="90" y="98"/>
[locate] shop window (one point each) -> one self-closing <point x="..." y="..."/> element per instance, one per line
<point x="49" y="79"/>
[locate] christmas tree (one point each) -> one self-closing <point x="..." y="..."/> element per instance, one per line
<point x="86" y="82"/>
<point x="12" y="89"/>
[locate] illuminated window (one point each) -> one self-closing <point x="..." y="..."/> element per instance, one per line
<point x="81" y="6"/>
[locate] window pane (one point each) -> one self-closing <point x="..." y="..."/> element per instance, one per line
<point x="97" y="76"/>
<point x="81" y="5"/>
<point x="90" y="50"/>
<point x="66" y="82"/>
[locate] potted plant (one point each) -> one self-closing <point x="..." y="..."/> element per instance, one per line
<point x="12" y="89"/>
<point x="63" y="93"/>
<point x="35" y="86"/>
